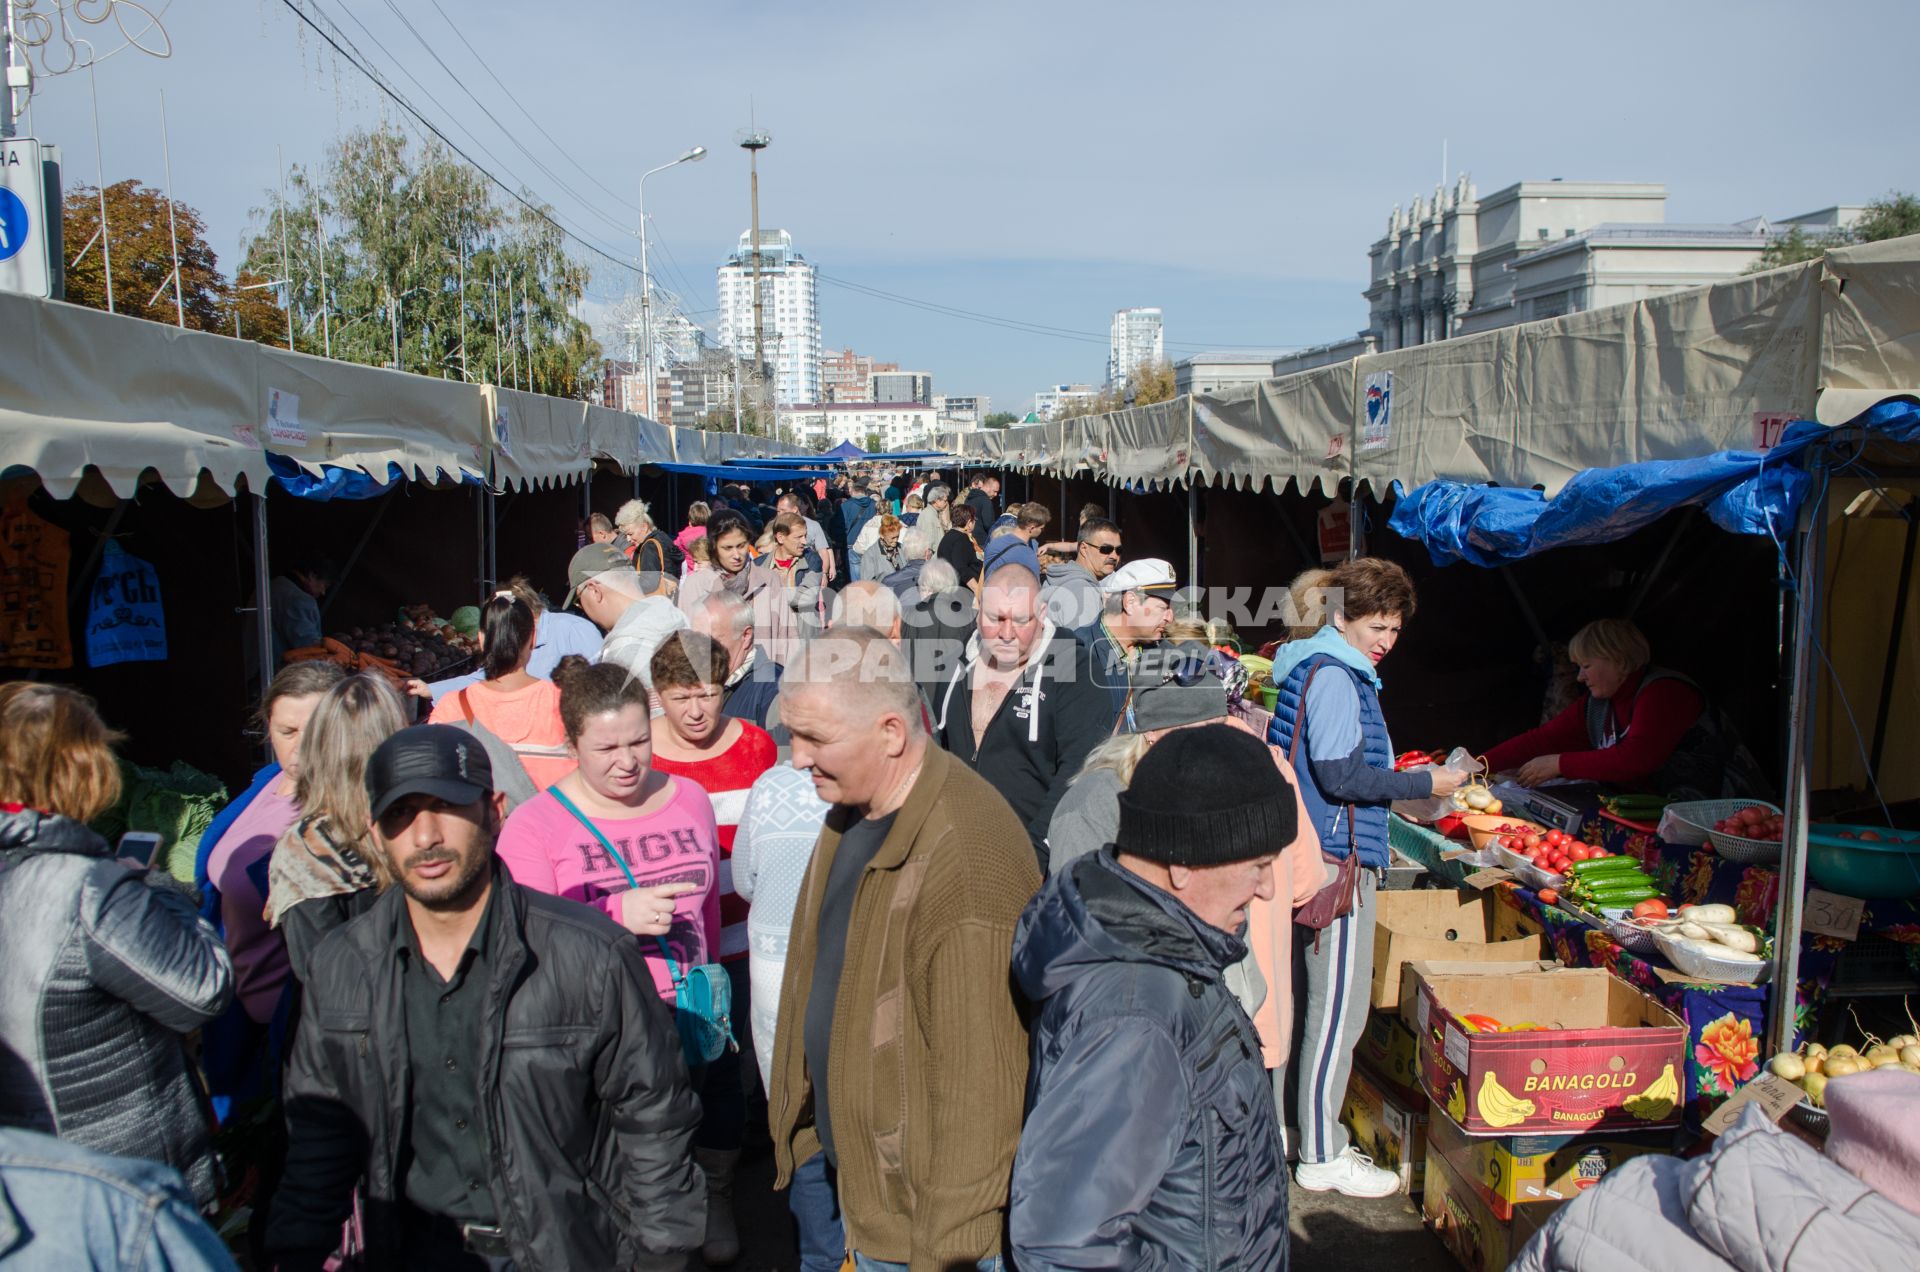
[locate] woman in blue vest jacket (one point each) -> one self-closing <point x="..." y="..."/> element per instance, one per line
<point x="1327" y="718"/>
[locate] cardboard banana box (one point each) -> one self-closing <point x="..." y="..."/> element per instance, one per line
<point x="1387" y="1128"/>
<point x="1515" y="1050"/>
<point x="1512" y="1173"/>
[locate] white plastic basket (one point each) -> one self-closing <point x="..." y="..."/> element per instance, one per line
<point x="1705" y="967"/>
<point x="1629" y="935"/>
<point x="1700" y="815"/>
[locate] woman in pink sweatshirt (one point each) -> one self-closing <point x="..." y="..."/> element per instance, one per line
<point x="661" y="826"/>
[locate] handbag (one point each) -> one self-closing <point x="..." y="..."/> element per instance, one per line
<point x="1335" y="901"/>
<point x="702" y="992"/>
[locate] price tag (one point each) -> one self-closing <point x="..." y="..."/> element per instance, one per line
<point x="1481" y="880"/>
<point x="1773" y="1093"/>
<point x="1456" y="1048"/>
<point x="1832" y="915"/>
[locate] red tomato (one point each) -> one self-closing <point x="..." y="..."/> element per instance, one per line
<point x="1549" y="896"/>
<point x="1532" y="842"/>
<point x="1653" y="908"/>
<point x="1578" y="852"/>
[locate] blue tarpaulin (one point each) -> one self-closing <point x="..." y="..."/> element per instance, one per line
<point x="338" y="483"/>
<point x="1744" y="492"/>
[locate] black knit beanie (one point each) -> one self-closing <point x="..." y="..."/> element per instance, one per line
<point x="1206" y="796"/>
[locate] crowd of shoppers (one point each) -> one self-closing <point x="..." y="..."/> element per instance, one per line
<point x="920" y="894"/>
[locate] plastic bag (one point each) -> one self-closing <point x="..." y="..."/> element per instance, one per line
<point x="1428" y="811"/>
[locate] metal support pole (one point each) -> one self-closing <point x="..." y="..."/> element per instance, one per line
<point x="1112" y="515"/>
<point x="480" y="541"/>
<point x="100" y="183"/>
<point x="1903" y="593"/>
<point x="173" y="228"/>
<point x="1781" y="1002"/>
<point x="1193" y="533"/>
<point x="286" y="258"/>
<point x="78" y="580"/>
<point x="262" y="591"/>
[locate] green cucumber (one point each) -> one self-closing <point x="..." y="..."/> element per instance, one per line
<point x="1617" y="898"/>
<point x="1592" y="864"/>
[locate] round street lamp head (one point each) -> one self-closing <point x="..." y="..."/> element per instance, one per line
<point x="695" y="155"/>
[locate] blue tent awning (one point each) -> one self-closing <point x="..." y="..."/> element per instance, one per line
<point x="1744" y="492"/>
<point x="846" y="450"/>
<point x="339" y="483"/>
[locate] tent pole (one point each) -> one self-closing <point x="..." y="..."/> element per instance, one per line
<point x="262" y="591"/>
<point x="1111" y="492"/>
<point x="1902" y="595"/>
<point x="1193" y="532"/>
<point x="353" y="558"/>
<point x="80" y="577"/>
<point x="480" y="542"/>
<point x="1793" y="857"/>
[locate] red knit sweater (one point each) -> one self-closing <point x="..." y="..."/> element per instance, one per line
<point x="1648" y="726"/>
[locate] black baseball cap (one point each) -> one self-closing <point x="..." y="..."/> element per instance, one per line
<point x="428" y="759"/>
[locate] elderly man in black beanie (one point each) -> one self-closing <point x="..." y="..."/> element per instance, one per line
<point x="1150" y="1138"/>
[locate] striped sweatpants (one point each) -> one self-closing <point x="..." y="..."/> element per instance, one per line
<point x="1338" y="966"/>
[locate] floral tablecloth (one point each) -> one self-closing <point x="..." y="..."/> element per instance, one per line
<point x="1725" y="1023"/>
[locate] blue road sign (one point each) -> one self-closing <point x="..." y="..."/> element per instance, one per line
<point x="15" y="228"/>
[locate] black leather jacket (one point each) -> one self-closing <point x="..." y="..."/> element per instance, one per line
<point x="105" y="974"/>
<point x="588" y="1109"/>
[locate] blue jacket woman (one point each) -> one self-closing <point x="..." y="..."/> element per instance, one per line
<point x="1327" y="719"/>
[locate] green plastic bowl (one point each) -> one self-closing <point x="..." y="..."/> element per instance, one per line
<point x="1269" y="696"/>
<point x="1885" y="870"/>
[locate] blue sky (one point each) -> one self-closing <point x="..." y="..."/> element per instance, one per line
<point x="1049" y="162"/>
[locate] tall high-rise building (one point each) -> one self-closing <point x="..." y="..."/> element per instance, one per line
<point x="1135" y="337"/>
<point x="790" y="315"/>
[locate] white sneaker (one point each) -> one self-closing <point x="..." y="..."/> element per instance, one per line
<point x="1352" y="1173"/>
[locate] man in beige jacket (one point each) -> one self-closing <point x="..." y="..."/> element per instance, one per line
<point x="900" y="1057"/>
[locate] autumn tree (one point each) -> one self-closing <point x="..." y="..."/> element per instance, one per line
<point x="400" y="255"/>
<point x="1151" y="382"/>
<point x="140" y="242"/>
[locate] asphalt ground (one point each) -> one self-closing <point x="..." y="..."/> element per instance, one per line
<point x="1331" y="1233"/>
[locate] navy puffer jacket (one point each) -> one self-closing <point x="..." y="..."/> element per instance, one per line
<point x="1150" y="1139"/>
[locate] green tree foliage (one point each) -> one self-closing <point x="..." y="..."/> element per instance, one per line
<point x="142" y="249"/>
<point x="1894" y="215"/>
<point x="399" y="253"/>
<point x="1000" y="419"/>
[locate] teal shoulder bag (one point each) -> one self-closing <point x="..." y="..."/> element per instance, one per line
<point x="702" y="993"/>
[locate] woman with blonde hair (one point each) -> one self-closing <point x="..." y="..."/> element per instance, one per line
<point x="1637" y="726"/>
<point x="108" y="966"/>
<point x="326" y="870"/>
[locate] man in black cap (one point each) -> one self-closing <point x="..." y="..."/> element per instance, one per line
<point x="1151" y="1139"/>
<point x="494" y="1062"/>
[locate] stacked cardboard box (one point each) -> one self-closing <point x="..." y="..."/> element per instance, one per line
<point x="1525" y="1117"/>
<point x="1385" y="1109"/>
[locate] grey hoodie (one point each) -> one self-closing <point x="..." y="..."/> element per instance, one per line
<point x="1072" y="596"/>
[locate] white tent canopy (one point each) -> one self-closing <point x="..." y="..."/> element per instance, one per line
<point x="85" y="389"/>
<point x="1672" y="377"/>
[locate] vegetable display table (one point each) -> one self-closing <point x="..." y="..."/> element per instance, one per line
<point x="1725" y="1023"/>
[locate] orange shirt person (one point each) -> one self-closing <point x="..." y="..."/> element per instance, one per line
<point x="519" y="708"/>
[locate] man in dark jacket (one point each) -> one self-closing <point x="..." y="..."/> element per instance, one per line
<point x="1022" y="709"/>
<point x="983" y="493"/>
<point x="1150" y="1138"/>
<point x="494" y="1062"/>
<point x="854" y="512"/>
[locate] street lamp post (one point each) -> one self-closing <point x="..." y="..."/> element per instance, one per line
<point x="694" y="155"/>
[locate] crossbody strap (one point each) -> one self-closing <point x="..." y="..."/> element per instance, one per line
<point x="1293" y="750"/>
<point x="673" y="969"/>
